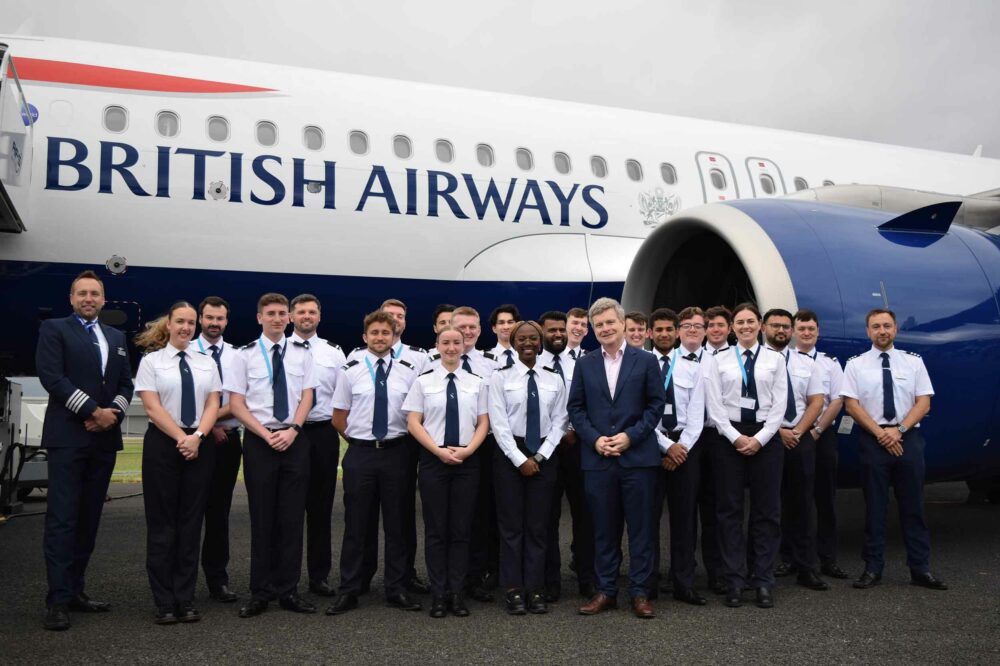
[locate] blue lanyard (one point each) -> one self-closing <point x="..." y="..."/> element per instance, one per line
<point x="739" y="359"/>
<point x="396" y="353"/>
<point x="267" y="359"/>
<point x="201" y="347"/>
<point x="670" y="372"/>
<point x="371" y="370"/>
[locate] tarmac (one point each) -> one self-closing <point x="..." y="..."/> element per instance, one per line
<point x="894" y="623"/>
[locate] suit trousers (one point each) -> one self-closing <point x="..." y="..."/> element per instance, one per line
<point x="879" y="470"/>
<point x="798" y="517"/>
<point x="324" y="462"/>
<point x="523" y="510"/>
<point x="448" y="498"/>
<point x="174" y="493"/>
<point x="680" y="489"/>
<point x="277" y="483"/>
<point x="215" y="543"/>
<point x="78" y="484"/>
<point x="569" y="480"/>
<point x="827" y="458"/>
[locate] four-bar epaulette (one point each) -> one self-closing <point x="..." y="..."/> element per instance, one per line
<point x="427" y="372"/>
<point x="417" y="349"/>
<point x="406" y="363"/>
<point x="334" y="345"/>
<point x="910" y="353"/>
<point x="489" y="355"/>
<point x="351" y="364"/>
<point x="855" y="356"/>
<point x="250" y="345"/>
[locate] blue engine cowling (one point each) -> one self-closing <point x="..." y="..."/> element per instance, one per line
<point x="943" y="284"/>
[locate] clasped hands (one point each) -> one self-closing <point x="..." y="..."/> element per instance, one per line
<point x="613" y="446"/>
<point x="103" y="418"/>
<point x="891" y="440"/>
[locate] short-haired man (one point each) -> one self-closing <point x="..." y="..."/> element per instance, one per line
<point x="636" y="329"/>
<point x="718" y="325"/>
<point x="502" y="320"/>
<point x="442" y="316"/>
<point x="576" y="331"/>
<point x="616" y="401"/>
<point x="367" y="411"/>
<point x="803" y="405"/>
<point x="569" y="478"/>
<point x="887" y="392"/>
<point x="324" y="459"/>
<point x="415" y="356"/>
<point x="84" y="366"/>
<point x="271" y="392"/>
<point x="213" y="318"/>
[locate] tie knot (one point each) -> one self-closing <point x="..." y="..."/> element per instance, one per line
<point x="451" y="376"/>
<point x="691" y="357"/>
<point x="381" y="362"/>
<point x="884" y="355"/>
<point x="181" y="354"/>
<point x="748" y="353"/>
<point x="531" y="373"/>
<point x="465" y="357"/>
<point x="214" y="348"/>
<point x="276" y="347"/>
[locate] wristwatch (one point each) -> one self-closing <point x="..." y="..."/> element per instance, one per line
<point x="819" y="431"/>
<point x="200" y="434"/>
<point x="296" y="427"/>
<point x="539" y="458"/>
<point x="902" y="428"/>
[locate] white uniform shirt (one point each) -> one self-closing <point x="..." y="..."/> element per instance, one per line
<point x="689" y="397"/>
<point x="159" y="372"/>
<point x="102" y="342"/>
<point x="415" y="356"/>
<point x="566" y="364"/>
<point x="509" y="409"/>
<point x="863" y="381"/>
<point x="357" y="394"/>
<point x="724" y="390"/>
<point x="713" y="350"/>
<point x="574" y="353"/>
<point x="832" y="375"/>
<point x="226" y="358"/>
<point x="329" y="361"/>
<point x="251" y="377"/>
<point x="482" y="363"/>
<point x="807" y="380"/>
<point x="429" y="396"/>
<point x="500" y="353"/>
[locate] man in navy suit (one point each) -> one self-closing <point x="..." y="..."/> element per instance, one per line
<point x="84" y="366"/>
<point x="615" y="402"/>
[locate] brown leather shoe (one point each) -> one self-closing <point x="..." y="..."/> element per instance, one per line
<point x="600" y="603"/>
<point x="642" y="608"/>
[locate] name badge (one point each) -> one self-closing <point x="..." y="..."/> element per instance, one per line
<point x="668" y="410"/>
<point x="748" y="403"/>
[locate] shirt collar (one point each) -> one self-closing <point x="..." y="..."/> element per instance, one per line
<point x="373" y="359"/>
<point x="314" y="340"/>
<point x="620" y="353"/>
<point x="753" y="350"/>
<point x="85" y="321"/>
<point x="659" y="355"/>
<point x="875" y="350"/>
<point x="268" y="345"/>
<point x="204" y="341"/>
<point x="522" y="369"/>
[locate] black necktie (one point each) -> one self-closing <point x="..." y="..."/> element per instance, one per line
<point x="451" y="428"/>
<point x="749" y="390"/>
<point x="187" y="392"/>
<point x="279" y="384"/>
<point x="691" y="357"/>
<point x="669" y="420"/>
<point x="533" y="426"/>
<point x="572" y="354"/>
<point x="557" y="366"/>
<point x="465" y="363"/>
<point x="380" y="424"/>
<point x="90" y="326"/>
<point x="217" y="357"/>
<point x="790" y="411"/>
<point x="888" y="403"/>
<point x="510" y="357"/>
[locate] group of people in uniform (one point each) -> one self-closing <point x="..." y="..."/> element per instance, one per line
<point x="491" y="440"/>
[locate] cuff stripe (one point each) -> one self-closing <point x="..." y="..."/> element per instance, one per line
<point x="121" y="403"/>
<point x="76" y="401"/>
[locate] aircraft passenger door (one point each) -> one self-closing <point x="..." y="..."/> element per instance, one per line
<point x="718" y="180"/>
<point x="16" y="125"/>
<point x="765" y="178"/>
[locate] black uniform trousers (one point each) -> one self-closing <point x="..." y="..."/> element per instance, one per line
<point x="762" y="472"/>
<point x="827" y="459"/>
<point x="78" y="484"/>
<point x="374" y="478"/>
<point x="484" y="549"/>
<point x="324" y="461"/>
<point x="798" y="517"/>
<point x="174" y="493"/>
<point x="569" y="480"/>
<point x="409" y="521"/>
<point x="277" y="483"/>
<point x="680" y="489"/>
<point x="523" y="510"/>
<point x="448" y="498"/>
<point x="879" y="470"/>
<point x="711" y="558"/>
<point x="215" y="543"/>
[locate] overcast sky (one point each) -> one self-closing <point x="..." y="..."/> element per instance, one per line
<point x="912" y="72"/>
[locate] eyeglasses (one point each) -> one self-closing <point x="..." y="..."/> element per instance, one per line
<point x="781" y="327"/>
<point x="692" y="327"/>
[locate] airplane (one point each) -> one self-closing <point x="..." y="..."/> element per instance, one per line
<point x="181" y="175"/>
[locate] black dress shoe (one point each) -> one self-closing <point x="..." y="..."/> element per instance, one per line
<point x="784" y="569"/>
<point x="927" y="580"/>
<point x="222" y="593"/>
<point x="402" y="602"/>
<point x="515" y="603"/>
<point x="808" y="578"/>
<point x="588" y="590"/>
<point x="689" y="596"/>
<point x="867" y="580"/>
<point x="186" y="612"/>
<point x="831" y="570"/>
<point x="552" y="593"/>
<point x="734" y="598"/>
<point x="438" y="607"/>
<point x="479" y="593"/>
<point x="717" y="586"/>
<point x="84" y="604"/>
<point x="253" y="608"/>
<point x="321" y="588"/>
<point x="293" y="602"/>
<point x="764" y="598"/>
<point x="458" y="607"/>
<point x="166" y="616"/>
<point x="342" y="604"/>
<point x="57" y="618"/>
<point x="536" y="604"/>
<point x="417" y="586"/>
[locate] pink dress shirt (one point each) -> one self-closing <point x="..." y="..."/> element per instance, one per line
<point x="612" y="365"/>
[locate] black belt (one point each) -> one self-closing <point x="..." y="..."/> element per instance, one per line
<point x="675" y="434"/>
<point x="278" y="429"/>
<point x="313" y="424"/>
<point x="519" y="443"/>
<point x="888" y="425"/>
<point x="377" y="443"/>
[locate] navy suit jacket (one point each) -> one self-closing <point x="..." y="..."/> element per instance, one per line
<point x="69" y="370"/>
<point x="635" y="410"/>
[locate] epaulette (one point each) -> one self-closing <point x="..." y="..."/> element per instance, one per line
<point x="356" y="349"/>
<point x="832" y="358"/>
<point x="435" y="356"/>
<point x="417" y="349"/>
<point x="715" y="352"/>
<point x="506" y="367"/>
<point x="774" y="350"/>
<point x="910" y="353"/>
<point x="473" y="374"/>
<point x="334" y="345"/>
<point x="489" y="355"/>
<point x="351" y="364"/>
<point x="550" y="370"/>
<point x="855" y="356"/>
<point x="250" y="345"/>
<point x="427" y="372"/>
<point x="407" y="364"/>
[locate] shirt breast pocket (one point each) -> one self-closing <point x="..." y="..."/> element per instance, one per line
<point x="204" y="376"/>
<point x="296" y="376"/>
<point x="259" y="387"/>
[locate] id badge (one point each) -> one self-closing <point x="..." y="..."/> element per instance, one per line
<point x="748" y="403"/>
<point x="668" y="410"/>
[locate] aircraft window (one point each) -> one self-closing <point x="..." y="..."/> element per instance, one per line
<point x="634" y="170"/>
<point x="267" y="133"/>
<point x="218" y="128"/>
<point x="484" y="155"/>
<point x="669" y="173"/>
<point x="402" y="147"/>
<point x="766" y="184"/>
<point x="718" y="179"/>
<point x="167" y="124"/>
<point x="359" y="142"/>
<point x="115" y="119"/>
<point x="445" y="151"/>
<point x="524" y="159"/>
<point x="598" y="166"/>
<point x="312" y="137"/>
<point x="562" y="162"/>
<point x="800" y="183"/>
<point x="827" y="183"/>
